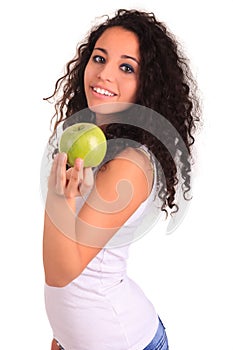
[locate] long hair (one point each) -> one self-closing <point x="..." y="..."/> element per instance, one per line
<point x="167" y="87"/>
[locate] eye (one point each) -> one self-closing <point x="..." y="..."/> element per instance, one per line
<point x="98" y="59"/>
<point x="127" y="68"/>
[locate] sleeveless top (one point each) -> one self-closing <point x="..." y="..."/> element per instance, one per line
<point x="104" y="309"/>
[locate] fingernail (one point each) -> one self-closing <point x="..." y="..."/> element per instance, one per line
<point x="63" y="156"/>
<point x="79" y="162"/>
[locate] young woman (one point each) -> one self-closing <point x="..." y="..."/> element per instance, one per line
<point x="130" y="78"/>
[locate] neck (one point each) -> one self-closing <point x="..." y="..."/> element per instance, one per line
<point x="102" y="120"/>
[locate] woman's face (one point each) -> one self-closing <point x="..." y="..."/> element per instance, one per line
<point x="112" y="72"/>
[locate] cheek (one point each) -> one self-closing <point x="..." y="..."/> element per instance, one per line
<point x="131" y="91"/>
<point x="86" y="78"/>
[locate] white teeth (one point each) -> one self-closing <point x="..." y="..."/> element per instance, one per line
<point x="102" y="91"/>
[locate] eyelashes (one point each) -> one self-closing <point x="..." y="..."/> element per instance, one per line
<point x="98" y="59"/>
<point x="125" y="67"/>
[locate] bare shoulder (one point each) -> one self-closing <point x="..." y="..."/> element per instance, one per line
<point x="137" y="155"/>
<point x="140" y="159"/>
<point x="130" y="164"/>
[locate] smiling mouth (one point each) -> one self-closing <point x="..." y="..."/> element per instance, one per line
<point x="103" y="92"/>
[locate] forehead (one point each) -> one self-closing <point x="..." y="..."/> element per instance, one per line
<point x="119" y="40"/>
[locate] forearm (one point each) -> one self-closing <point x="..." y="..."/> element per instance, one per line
<point x="61" y="253"/>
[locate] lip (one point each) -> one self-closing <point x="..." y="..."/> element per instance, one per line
<point x="103" y="88"/>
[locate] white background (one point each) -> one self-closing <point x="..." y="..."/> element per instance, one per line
<point x="188" y="274"/>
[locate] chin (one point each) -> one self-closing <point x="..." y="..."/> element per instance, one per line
<point x="110" y="108"/>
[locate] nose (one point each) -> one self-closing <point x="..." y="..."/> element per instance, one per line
<point x="106" y="72"/>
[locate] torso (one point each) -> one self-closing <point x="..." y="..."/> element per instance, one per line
<point x="103" y="307"/>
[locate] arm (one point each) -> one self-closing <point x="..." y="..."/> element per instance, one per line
<point x="70" y="242"/>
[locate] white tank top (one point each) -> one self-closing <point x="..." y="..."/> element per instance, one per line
<point x="103" y="309"/>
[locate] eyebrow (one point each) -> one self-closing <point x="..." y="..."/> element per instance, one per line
<point x="122" y="56"/>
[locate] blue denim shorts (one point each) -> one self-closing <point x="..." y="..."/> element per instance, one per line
<point x="159" y="342"/>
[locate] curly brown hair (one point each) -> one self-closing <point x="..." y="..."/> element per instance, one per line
<point x="167" y="86"/>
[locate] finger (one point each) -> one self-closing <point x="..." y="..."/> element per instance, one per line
<point x="68" y="173"/>
<point x="88" y="181"/>
<point x="75" y="178"/>
<point x="79" y="165"/>
<point x="53" y="173"/>
<point x="61" y="173"/>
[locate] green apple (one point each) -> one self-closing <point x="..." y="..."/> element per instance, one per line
<point x="86" y="141"/>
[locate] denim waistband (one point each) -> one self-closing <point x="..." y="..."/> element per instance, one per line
<point x="159" y="342"/>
